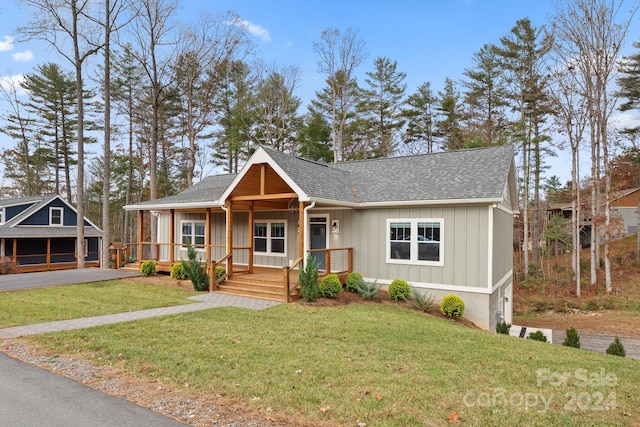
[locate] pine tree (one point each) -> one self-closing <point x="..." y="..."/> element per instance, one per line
<point x="420" y="113"/>
<point x="450" y="125"/>
<point x="572" y="339"/>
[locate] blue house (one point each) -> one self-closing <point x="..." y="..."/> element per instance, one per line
<point x="40" y="232"/>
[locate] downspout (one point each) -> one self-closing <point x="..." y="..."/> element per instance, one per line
<point x="304" y="230"/>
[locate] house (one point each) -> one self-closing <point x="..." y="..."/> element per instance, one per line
<point x="39" y="233"/>
<point x="624" y="214"/>
<point x="443" y="222"/>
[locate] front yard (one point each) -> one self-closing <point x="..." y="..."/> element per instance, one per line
<point x="360" y="364"/>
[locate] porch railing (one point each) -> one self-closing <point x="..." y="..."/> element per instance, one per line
<point x="286" y="271"/>
<point x="161" y="252"/>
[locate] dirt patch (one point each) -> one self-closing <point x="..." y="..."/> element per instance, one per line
<point x="161" y="280"/>
<point x="552" y="302"/>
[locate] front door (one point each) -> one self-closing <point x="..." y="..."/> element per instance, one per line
<point x="318" y="231"/>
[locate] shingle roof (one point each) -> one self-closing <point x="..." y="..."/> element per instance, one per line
<point x="465" y="174"/>
<point x="318" y="180"/>
<point x="480" y="173"/>
<point x="208" y="190"/>
<point x="20" y="200"/>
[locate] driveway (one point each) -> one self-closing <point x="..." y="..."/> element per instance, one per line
<point x="11" y="282"/>
<point x="32" y="396"/>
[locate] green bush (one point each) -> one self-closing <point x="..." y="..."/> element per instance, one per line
<point x="616" y="348"/>
<point x="421" y="301"/>
<point x="308" y="279"/>
<point x="148" y="268"/>
<point x="219" y="271"/>
<point x="399" y="290"/>
<point x="195" y="271"/>
<point x="369" y="291"/>
<point x="503" y="327"/>
<point x="572" y="339"/>
<point x="353" y="278"/>
<point x="452" y="306"/>
<point x="177" y="272"/>
<point x="538" y="336"/>
<point x="330" y="286"/>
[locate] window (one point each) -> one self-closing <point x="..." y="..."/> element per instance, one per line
<point x="55" y="216"/>
<point x="415" y="241"/>
<point x="192" y="233"/>
<point x="270" y="237"/>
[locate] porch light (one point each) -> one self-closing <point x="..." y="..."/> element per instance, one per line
<point x="335" y="226"/>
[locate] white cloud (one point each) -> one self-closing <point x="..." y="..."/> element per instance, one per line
<point x="13" y="81"/>
<point x="7" y="44"/>
<point x="253" y="29"/>
<point x="25" y="56"/>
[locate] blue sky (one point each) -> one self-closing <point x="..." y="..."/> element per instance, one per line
<point x="429" y="39"/>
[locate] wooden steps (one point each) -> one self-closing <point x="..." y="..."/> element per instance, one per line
<point x="252" y="288"/>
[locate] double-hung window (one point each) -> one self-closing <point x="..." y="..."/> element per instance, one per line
<point x="56" y="216"/>
<point x="192" y="233"/>
<point x="270" y="237"/>
<point x="415" y="241"/>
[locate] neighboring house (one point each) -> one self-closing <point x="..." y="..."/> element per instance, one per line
<point x="40" y="234"/>
<point x="624" y="214"/>
<point x="443" y="222"/>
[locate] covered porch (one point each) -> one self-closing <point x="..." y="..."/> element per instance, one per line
<point x="259" y="233"/>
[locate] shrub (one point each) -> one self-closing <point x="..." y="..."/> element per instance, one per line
<point x="195" y="271"/>
<point x="8" y="266"/>
<point x="399" y="290"/>
<point x="572" y="339"/>
<point x="308" y="279"/>
<point x="330" y="286"/>
<point x="177" y="272"/>
<point x="538" y="336"/>
<point x="421" y="301"/>
<point x="452" y="306"/>
<point x="369" y="291"/>
<point x="148" y="268"/>
<point x="616" y="348"/>
<point x="219" y="271"/>
<point x="353" y="278"/>
<point x="503" y="327"/>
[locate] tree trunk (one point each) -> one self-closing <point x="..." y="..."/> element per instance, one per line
<point x="106" y="179"/>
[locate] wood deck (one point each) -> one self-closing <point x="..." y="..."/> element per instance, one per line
<point x="264" y="283"/>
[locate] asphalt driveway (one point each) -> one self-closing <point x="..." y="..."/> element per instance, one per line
<point x="32" y="396"/>
<point x="12" y="282"/>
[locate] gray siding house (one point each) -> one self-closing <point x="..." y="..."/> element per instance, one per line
<point x="442" y="221"/>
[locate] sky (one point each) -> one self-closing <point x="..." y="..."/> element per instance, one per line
<point x="430" y="39"/>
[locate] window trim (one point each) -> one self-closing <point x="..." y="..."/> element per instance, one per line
<point x="56" y="209"/>
<point x="414" y="242"/>
<point x="193" y="234"/>
<point x="269" y="238"/>
<point x="2" y="215"/>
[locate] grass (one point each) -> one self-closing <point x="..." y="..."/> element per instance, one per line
<point x="378" y="364"/>
<point x="68" y="302"/>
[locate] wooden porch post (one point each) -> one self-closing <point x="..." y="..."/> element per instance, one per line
<point x="207" y="235"/>
<point x="230" y="237"/>
<point x="172" y="230"/>
<point x="49" y="254"/>
<point x="15" y="250"/>
<point x="301" y="231"/>
<point x="140" y="234"/>
<point x="251" y="219"/>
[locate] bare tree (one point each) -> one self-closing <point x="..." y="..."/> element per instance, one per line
<point x="51" y="20"/>
<point x="571" y="119"/>
<point x="204" y="51"/>
<point x="153" y="34"/>
<point x="590" y="34"/>
<point x="339" y="55"/>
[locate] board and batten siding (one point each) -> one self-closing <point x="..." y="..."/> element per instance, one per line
<point x="502" y="244"/>
<point x="465" y="236"/>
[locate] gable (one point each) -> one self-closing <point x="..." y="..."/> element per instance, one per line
<point x="13" y="211"/>
<point x="41" y="216"/>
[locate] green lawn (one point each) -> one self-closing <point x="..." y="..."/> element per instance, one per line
<point x="93" y="299"/>
<point x="379" y="364"/>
